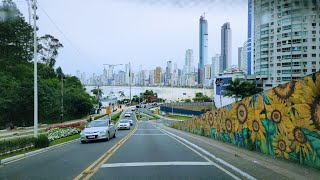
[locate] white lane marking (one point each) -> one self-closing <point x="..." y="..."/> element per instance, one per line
<point x="148" y="129"/>
<point x="244" y="174"/>
<point x="174" y="163"/>
<point x="213" y="163"/>
<point x="149" y="135"/>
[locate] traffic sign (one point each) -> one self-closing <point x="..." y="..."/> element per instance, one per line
<point x="219" y="81"/>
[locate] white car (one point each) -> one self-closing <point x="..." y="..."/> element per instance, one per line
<point x="124" y="124"/>
<point x="98" y="129"/>
<point x="133" y="109"/>
<point x="131" y="122"/>
<point x="127" y="115"/>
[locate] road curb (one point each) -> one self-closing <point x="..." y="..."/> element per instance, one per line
<point x="33" y="153"/>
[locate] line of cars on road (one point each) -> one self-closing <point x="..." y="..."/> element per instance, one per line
<point x="105" y="129"/>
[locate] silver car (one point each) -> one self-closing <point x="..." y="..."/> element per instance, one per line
<point x="98" y="129"/>
<point x="124" y="124"/>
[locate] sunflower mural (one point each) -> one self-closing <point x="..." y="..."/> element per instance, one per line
<point x="283" y="122"/>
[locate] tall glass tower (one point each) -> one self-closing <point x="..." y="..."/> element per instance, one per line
<point x="203" y="48"/>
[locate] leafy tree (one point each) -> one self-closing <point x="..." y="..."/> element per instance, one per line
<point x="199" y="97"/>
<point x="97" y="92"/>
<point x="16" y="35"/>
<point x="121" y="93"/>
<point x="241" y="90"/>
<point x="48" y="49"/>
<point x="16" y="78"/>
<point x="234" y="89"/>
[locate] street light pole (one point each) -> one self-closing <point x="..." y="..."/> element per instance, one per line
<point x="35" y="68"/>
<point x="62" y="98"/>
<point x="130" y="80"/>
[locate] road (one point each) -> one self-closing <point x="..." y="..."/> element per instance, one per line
<point x="60" y="163"/>
<point x="150" y="153"/>
<point x="151" y="150"/>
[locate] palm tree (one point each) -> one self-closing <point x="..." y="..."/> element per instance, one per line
<point x="241" y="90"/>
<point x="121" y="93"/>
<point x="234" y="89"/>
<point x="97" y="92"/>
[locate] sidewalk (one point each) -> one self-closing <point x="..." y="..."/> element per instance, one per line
<point x="254" y="163"/>
<point x="28" y="131"/>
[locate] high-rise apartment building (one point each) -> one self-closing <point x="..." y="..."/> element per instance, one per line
<point x="244" y="58"/>
<point x="203" y="48"/>
<point x="158" y="76"/>
<point x="239" y="58"/>
<point x="169" y="72"/>
<point x="215" y="66"/>
<point x="226" y="51"/>
<point x="250" y="41"/>
<point x="286" y="40"/>
<point x="189" y="67"/>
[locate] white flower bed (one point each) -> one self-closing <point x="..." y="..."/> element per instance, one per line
<point x="58" y="133"/>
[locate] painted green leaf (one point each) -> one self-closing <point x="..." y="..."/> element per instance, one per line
<point x="253" y="100"/>
<point x="314" y="139"/>
<point x="268" y="126"/>
<point x="265" y="99"/>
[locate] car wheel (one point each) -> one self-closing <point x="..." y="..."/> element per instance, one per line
<point x="108" y="137"/>
<point x="129" y="127"/>
<point x="114" y="135"/>
<point x="83" y="142"/>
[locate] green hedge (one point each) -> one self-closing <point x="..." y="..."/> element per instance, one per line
<point x="116" y="117"/>
<point x="9" y="146"/>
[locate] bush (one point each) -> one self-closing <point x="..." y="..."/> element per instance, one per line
<point x="58" y="133"/>
<point x="8" y="146"/>
<point x="41" y="142"/>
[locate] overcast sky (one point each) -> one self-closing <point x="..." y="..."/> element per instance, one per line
<point x="146" y="32"/>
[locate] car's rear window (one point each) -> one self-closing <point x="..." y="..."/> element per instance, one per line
<point x="97" y="124"/>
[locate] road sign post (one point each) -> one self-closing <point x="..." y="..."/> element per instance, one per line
<point x="219" y="83"/>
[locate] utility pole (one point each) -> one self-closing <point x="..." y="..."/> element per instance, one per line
<point x="130" y="80"/>
<point x="62" y="98"/>
<point x="35" y="53"/>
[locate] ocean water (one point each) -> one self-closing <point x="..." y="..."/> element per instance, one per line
<point x="174" y="94"/>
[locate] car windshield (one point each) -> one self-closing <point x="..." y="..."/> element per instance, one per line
<point x="124" y="121"/>
<point x="97" y="124"/>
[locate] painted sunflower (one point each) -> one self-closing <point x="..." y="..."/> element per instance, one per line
<point x="240" y="114"/>
<point x="228" y="124"/>
<point x="309" y="100"/>
<point x="211" y="119"/>
<point x="300" y="141"/>
<point x="279" y="112"/>
<point x="283" y="91"/>
<point x="255" y="125"/>
<point x="281" y="145"/>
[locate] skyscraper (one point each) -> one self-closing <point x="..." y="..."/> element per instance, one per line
<point x="250" y="38"/>
<point x="158" y="76"/>
<point x="239" y="58"/>
<point x="286" y="40"/>
<point x="203" y="48"/>
<point x="189" y="67"/>
<point x="215" y="65"/>
<point x="169" y="72"/>
<point x="244" y="58"/>
<point x="226" y="51"/>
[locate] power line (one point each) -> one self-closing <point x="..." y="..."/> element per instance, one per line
<point x="59" y="29"/>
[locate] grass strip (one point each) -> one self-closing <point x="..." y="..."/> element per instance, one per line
<point x="65" y="139"/>
<point x="17" y="153"/>
<point x="177" y="117"/>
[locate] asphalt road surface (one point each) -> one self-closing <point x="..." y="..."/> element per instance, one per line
<point x="143" y="152"/>
<point x="152" y="154"/>
<point x="65" y="162"/>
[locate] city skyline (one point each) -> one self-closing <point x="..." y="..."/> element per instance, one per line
<point x="103" y="42"/>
